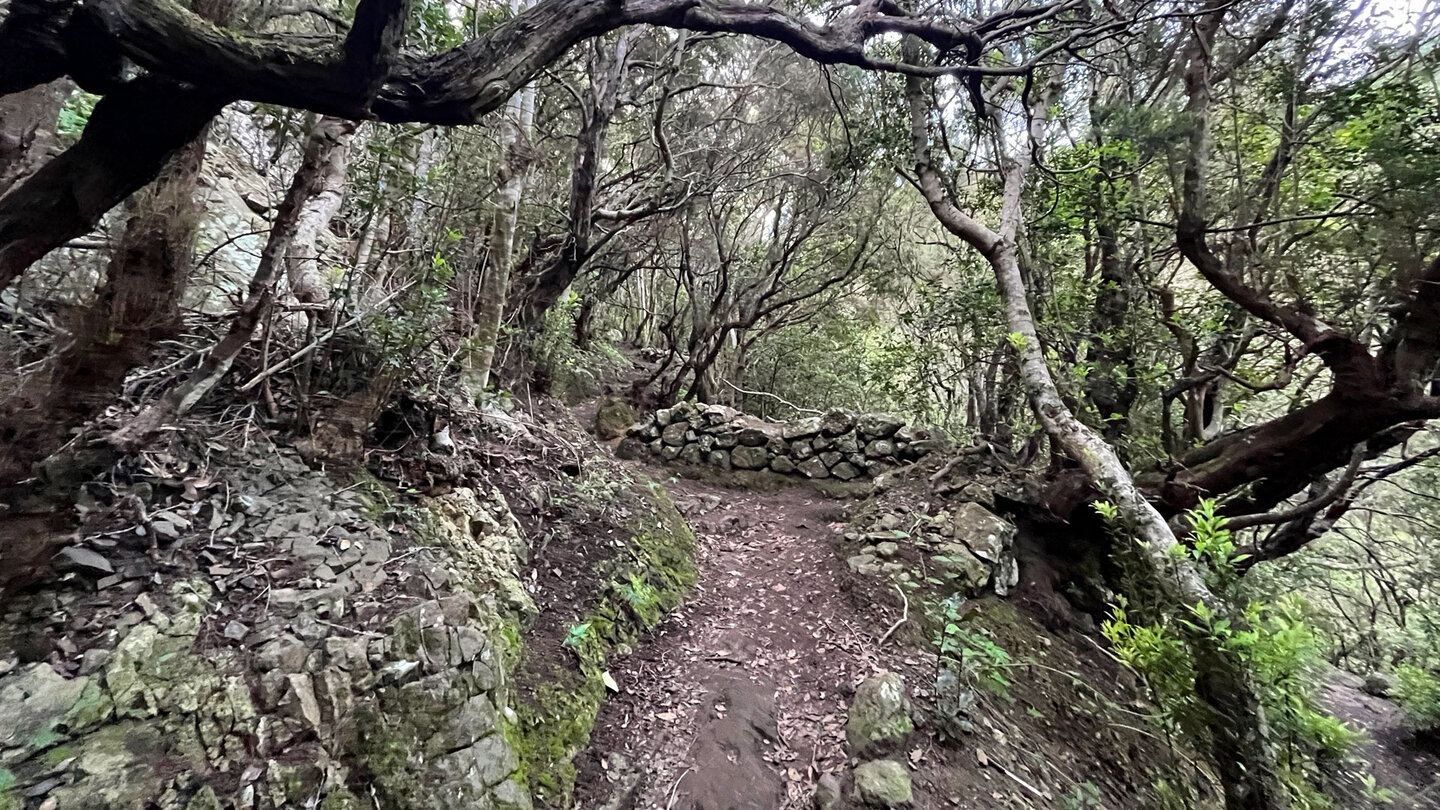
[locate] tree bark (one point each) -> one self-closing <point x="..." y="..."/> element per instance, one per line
<point x="302" y="265"/>
<point x="27" y="130"/>
<point x="495" y="281"/>
<point x="1242" y="750"/>
<point x="329" y="136"/>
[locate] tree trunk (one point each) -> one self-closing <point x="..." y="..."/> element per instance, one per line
<point x="137" y="305"/>
<point x="302" y="265"/>
<point x="495" y="281"/>
<point x="27" y="130"/>
<point x="1242" y="751"/>
<point x="329" y="136"/>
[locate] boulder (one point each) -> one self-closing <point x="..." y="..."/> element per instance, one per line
<point x="670" y="452"/>
<point x="821" y="442"/>
<point x="910" y="433"/>
<point x="630" y="447"/>
<point x="612" y="418"/>
<point x="691" y="454"/>
<point x="663" y="417"/>
<point x="837" y="422"/>
<point x="879" y="718"/>
<point x="831" y="459"/>
<point x="801" y="450"/>
<point x="717" y="415"/>
<point x="969" y="572"/>
<point x="674" y="433"/>
<point x="754" y="436"/>
<point x="778" y="446"/>
<point x="747" y="457"/>
<point x="883" y="783"/>
<point x="880" y="448"/>
<point x="845" y="471"/>
<point x="924" y="447"/>
<point x="718" y="458"/>
<point x="1379" y="684"/>
<point x="878" y="425"/>
<point x="847" y="443"/>
<point x="726" y="440"/>
<point x="988" y="536"/>
<point x="801" y="428"/>
<point x="782" y="465"/>
<point x="814" y="468"/>
<point x="828" y="795"/>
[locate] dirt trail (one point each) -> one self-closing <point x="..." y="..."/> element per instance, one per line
<point x="738" y="701"/>
<point x="1397" y="760"/>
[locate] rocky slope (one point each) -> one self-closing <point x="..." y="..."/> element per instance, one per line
<point x="232" y="628"/>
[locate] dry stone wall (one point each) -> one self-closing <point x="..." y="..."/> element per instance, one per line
<point x="839" y="445"/>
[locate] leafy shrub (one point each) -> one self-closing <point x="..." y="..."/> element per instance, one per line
<point x="1418" y="692"/>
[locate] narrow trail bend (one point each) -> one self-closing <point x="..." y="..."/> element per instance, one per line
<point x="738" y="700"/>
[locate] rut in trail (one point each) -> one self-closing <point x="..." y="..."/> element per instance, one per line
<point x="738" y="700"/>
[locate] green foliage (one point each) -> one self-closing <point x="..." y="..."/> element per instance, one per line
<point x="1417" y="691"/>
<point x="75" y="115"/>
<point x="969" y="651"/>
<point x="1272" y="641"/>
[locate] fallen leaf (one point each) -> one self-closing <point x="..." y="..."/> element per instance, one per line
<point x="981" y="758"/>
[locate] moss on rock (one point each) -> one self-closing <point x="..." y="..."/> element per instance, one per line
<point x="646" y="580"/>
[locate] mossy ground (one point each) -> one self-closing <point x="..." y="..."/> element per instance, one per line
<point x="562" y="666"/>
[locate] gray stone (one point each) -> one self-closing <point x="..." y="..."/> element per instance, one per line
<point x="814" y="468"/>
<point x="828" y="795"/>
<point x="753" y="436"/>
<point x="662" y="417"/>
<point x="674" y="433"/>
<point x="630" y="448"/>
<point x="878" y="425"/>
<point x="670" y="452"/>
<point x="801" y="450"/>
<point x="718" y="458"/>
<point x="968" y="571"/>
<point x="837" y="422"/>
<point x="717" y="415"/>
<point x="749" y="458"/>
<point x="887" y="548"/>
<point x="831" y="459"/>
<point x="988" y="536"/>
<point x="845" y="471"/>
<point x="801" y="428"/>
<point x="925" y="447"/>
<point x="782" y="465"/>
<point x="880" y="448"/>
<point x="726" y="440"/>
<point x="863" y="564"/>
<point x="35" y="699"/>
<point x="778" y="446"/>
<point x="879" y="718"/>
<point x="910" y="433"/>
<point x="847" y="443"/>
<point x="706" y="442"/>
<point x="821" y="442"/>
<point x="883" y="783"/>
<point x="1379" y="684"/>
<point x="83" y="560"/>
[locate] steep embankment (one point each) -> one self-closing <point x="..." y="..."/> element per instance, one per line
<point x="230" y="626"/>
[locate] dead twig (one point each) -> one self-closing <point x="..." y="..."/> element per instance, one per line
<point x="904" y="616"/>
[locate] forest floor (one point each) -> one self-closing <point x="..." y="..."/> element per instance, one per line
<point x="739" y="699"/>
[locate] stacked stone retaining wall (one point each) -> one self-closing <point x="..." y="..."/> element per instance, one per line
<point x="839" y="444"/>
